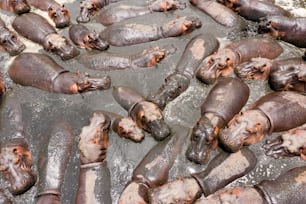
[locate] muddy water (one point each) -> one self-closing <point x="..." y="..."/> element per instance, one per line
<point x="41" y="109"/>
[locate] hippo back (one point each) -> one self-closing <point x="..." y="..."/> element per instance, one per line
<point x="33" y="27"/>
<point x="37" y="70"/>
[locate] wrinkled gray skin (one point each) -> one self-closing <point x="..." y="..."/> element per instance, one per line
<point x="89" y="8"/>
<point x="15" y="155"/>
<point x="176" y="83"/>
<point x="119" y="12"/>
<point x="58" y="13"/>
<point x="84" y="38"/>
<point x="131" y="34"/>
<point x="254" y="9"/>
<point x="26" y="25"/>
<point x="224" y="100"/>
<point x="228" y="18"/>
<point x="289" y="29"/>
<point x="53" y="158"/>
<point x="268" y="114"/>
<point x="9" y="40"/>
<point x="146" y="114"/>
<point x="27" y="68"/>
<point x="16" y="6"/>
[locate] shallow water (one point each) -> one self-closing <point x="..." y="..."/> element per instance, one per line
<point x="41" y="109"/>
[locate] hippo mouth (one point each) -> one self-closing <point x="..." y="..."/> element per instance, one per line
<point x="174" y="85"/>
<point x="254" y="69"/>
<point x="15" y="165"/>
<point x="11" y="43"/>
<point x="203" y="140"/>
<point x="60" y="16"/>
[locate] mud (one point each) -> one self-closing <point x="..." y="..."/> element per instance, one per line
<point x="41" y="108"/>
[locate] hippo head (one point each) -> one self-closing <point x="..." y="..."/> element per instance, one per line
<point x="244" y="129"/>
<point x="10" y="42"/>
<point x="88" y="9"/>
<point x="16" y="164"/>
<point x="149" y="117"/>
<point x="127" y="128"/>
<point x="275" y="26"/>
<point x="60" y="45"/>
<point x="93" y="139"/>
<point x="203" y="140"/>
<point x="72" y="83"/>
<point x="219" y="64"/>
<point x="288" y="79"/>
<point x="93" y="41"/>
<point x="20" y="6"/>
<point x="257" y="68"/>
<point x="60" y="16"/>
<point x="174" y="85"/>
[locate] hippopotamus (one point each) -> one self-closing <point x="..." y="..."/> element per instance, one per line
<point x="177" y="82"/>
<point x="223" y="62"/>
<point x="283" y="75"/>
<point x="254" y="9"/>
<point x="291" y="143"/>
<point x="119" y="12"/>
<point x="9" y="41"/>
<point x="289" y="29"/>
<point x="228" y="18"/>
<point x="89" y="8"/>
<point x="58" y="13"/>
<point x="223" y="102"/>
<point x="273" y="112"/>
<point x="93" y="146"/>
<point x="289" y="187"/>
<point x="146" y="114"/>
<point x="16" y="6"/>
<point x="106" y="61"/>
<point x="84" y="38"/>
<point x="135" y="33"/>
<point x="53" y="159"/>
<point x="27" y="24"/>
<point x="15" y="154"/>
<point x="153" y="169"/>
<point x="220" y="171"/>
<point x="41" y="71"/>
<point x="125" y="127"/>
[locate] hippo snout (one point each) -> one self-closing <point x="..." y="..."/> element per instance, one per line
<point x="159" y="129"/>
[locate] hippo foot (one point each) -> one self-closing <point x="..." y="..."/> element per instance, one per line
<point x="181" y="190"/>
<point x="15" y="165"/>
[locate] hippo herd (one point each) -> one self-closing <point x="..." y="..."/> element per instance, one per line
<point x="228" y="120"/>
